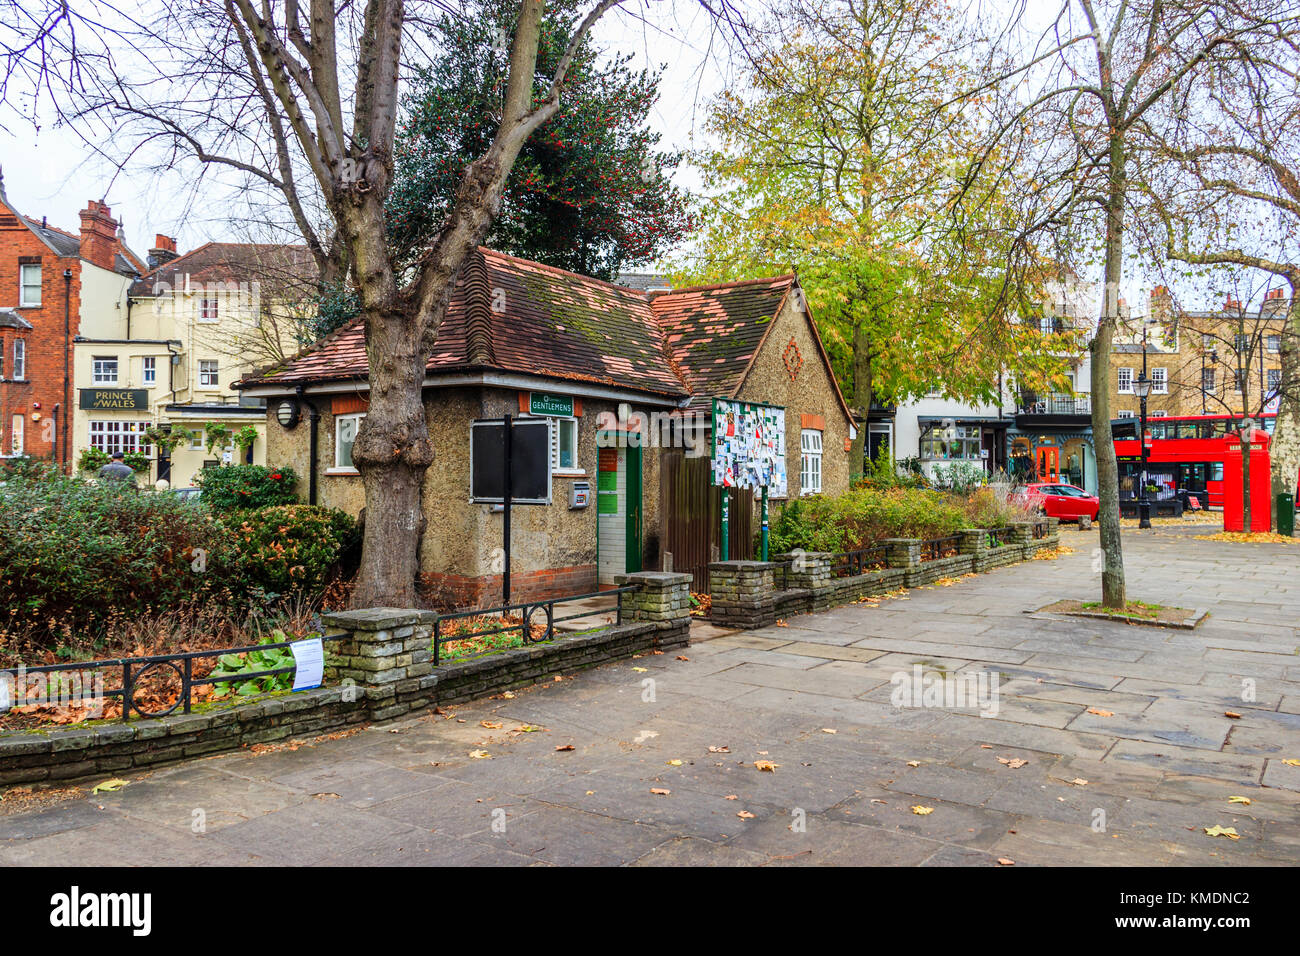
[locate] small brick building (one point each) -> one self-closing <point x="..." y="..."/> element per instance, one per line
<point x="623" y="381"/>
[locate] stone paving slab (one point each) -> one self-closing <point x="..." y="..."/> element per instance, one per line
<point x="815" y="699"/>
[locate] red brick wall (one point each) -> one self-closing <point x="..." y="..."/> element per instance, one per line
<point x="46" y="343"/>
<point x="462" y="591"/>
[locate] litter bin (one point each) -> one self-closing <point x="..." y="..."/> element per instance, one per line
<point x="1286" y="515"/>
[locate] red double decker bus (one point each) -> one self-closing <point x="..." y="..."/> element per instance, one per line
<point x="1185" y="455"/>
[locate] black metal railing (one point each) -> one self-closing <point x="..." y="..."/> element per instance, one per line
<point x="136" y="670"/>
<point x="933" y="549"/>
<point x="1040" y="529"/>
<point x="527" y="619"/>
<point x="1000" y="536"/>
<point x="850" y="563"/>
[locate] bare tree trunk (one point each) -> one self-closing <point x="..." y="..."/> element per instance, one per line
<point x="1112" y="572"/>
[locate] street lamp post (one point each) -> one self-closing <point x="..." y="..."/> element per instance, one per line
<point x="1142" y="388"/>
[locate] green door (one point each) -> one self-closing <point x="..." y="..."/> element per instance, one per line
<point x="634" y="522"/>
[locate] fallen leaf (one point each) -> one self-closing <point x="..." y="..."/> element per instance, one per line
<point x="914" y="763"/>
<point x="1099" y="712"/>
<point x="731" y="796"/>
<point x="674" y="763"/>
<point x="766" y="765"/>
<point x="109" y="786"/>
<point x="1292" y="763"/>
<point x="720" y="750"/>
<point x="527" y="729"/>
<point x="490" y="724"/>
<point x="745" y="815"/>
<point x="591" y="793"/>
<point x="986" y="746"/>
<point x="1245" y="800"/>
<point x="639" y="670"/>
<point x="1079" y="782"/>
<point x="479" y="754"/>
<point x="1005" y="862"/>
<point x="660" y="791"/>
<point x="1233" y="714"/>
<point x="564" y="747"/>
<point x="923" y="811"/>
<point x="829" y="730"/>
<point x="509" y="695"/>
<point x="1217" y="830"/>
<point x="681" y="658"/>
<point x="782" y="624"/>
<point x="1015" y="763"/>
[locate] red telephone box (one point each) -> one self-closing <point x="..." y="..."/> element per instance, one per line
<point x="1261" y="489"/>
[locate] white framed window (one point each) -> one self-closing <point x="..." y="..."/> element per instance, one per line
<point x="1125" y="413"/>
<point x="29" y="293"/>
<point x="954" y="442"/>
<point x="1207" y="379"/>
<point x="1274" y="378"/>
<point x="345" y="436"/>
<point x="16" y="436"/>
<point x="197" y="440"/>
<point x="1125" y="381"/>
<point x="208" y="377"/>
<point x="150" y="367"/>
<point x="1159" y="414"/>
<point x="20" y="359"/>
<point x="111" y="436"/>
<point x="1159" y="381"/>
<point x="208" y="308"/>
<point x="564" y="445"/>
<point x="104" y="370"/>
<point x="810" y="462"/>
<point x="1273" y="343"/>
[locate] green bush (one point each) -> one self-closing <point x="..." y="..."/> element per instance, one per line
<point x="863" y="516"/>
<point x="289" y="547"/>
<point x="72" y="553"/>
<point x="92" y="459"/>
<point x="241" y="487"/>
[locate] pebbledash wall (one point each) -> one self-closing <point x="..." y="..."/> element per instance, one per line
<point x="752" y="594"/>
<point x="383" y="665"/>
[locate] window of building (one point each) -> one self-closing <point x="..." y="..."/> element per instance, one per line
<point x="810" y="462"/>
<point x="111" y="436"/>
<point x="1274" y="377"/>
<point x="345" y="436"/>
<point x="1159" y="381"/>
<point x="1125" y="379"/>
<point x="1207" y="340"/>
<point x="1273" y="343"/>
<point x="16" y="436"/>
<point x="1241" y="343"/>
<point x="150" y="370"/>
<point x="1159" y="414"/>
<point x="208" y="373"/>
<point x="954" y="442"/>
<point x="197" y="439"/>
<point x="1125" y="413"/>
<point x="29" y="293"/>
<point x="1238" y="378"/>
<point x="20" y="359"/>
<point x="104" y="370"/>
<point x="564" y="444"/>
<point x="1207" y="379"/>
<point x="208" y="308"/>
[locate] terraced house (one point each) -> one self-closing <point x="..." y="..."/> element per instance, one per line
<point x="618" y="383"/>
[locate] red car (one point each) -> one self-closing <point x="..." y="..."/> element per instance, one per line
<point x="1067" y="502"/>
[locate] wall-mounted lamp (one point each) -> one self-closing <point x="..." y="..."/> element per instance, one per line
<point x="287" y="414"/>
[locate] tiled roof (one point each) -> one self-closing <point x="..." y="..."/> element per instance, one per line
<point x="514" y="315"/>
<point x="712" y="333"/>
<point x="230" y="262"/>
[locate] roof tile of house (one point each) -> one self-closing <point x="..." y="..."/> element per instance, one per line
<point x="544" y="321"/>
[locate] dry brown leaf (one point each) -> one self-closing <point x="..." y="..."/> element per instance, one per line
<point x="731" y="796"/>
<point x="766" y="765"/>
<point x="720" y="750"/>
<point x="1079" y="782"/>
<point x="745" y="815"/>
<point x="914" y="763"/>
<point x="923" y="811"/>
<point x="479" y="754"/>
<point x="660" y="791"/>
<point x="1002" y="860"/>
<point x="782" y="624"/>
<point x="681" y="658"/>
<point x="1233" y="714"/>
<point x="1099" y="712"/>
<point x="564" y="747"/>
<point x="490" y="724"/>
<point x="1015" y="763"/>
<point x="829" y="730"/>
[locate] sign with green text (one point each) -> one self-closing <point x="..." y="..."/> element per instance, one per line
<point x="115" y="399"/>
<point x="544" y="403"/>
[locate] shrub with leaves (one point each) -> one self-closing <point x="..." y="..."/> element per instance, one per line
<point x="862" y="516"/>
<point x="240" y="487"/>
<point x="234" y="670"/>
<point x="289" y="547"/>
<point x="73" y="553"/>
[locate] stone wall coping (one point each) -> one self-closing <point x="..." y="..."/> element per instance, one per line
<point x="377" y="618"/>
<point x="663" y="578"/>
<point x="741" y="565"/>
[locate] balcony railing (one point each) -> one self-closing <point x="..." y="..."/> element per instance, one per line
<point x="1056" y="405"/>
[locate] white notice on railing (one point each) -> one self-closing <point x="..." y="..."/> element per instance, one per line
<point x="6" y="693"/>
<point x="309" y="656"/>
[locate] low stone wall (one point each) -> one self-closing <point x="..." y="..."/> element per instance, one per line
<point x="751" y="594"/>
<point x="385" y="671"/>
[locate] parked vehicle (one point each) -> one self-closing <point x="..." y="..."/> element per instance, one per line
<point x="1067" y="502"/>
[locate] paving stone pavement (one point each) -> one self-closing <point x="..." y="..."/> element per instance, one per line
<point x="1160" y="760"/>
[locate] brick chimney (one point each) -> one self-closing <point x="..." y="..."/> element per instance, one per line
<point x="98" y="235"/>
<point x="163" y="251"/>
<point x="1231" y="305"/>
<point x="1161" y="304"/>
